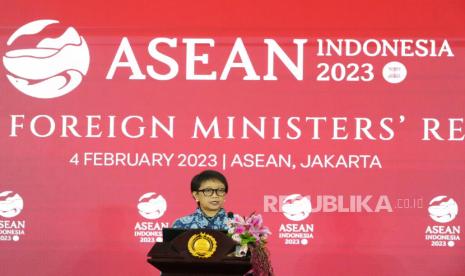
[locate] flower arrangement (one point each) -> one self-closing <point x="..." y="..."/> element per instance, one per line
<point x="249" y="232"/>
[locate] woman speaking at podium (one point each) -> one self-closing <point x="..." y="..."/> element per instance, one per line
<point x="209" y="189"/>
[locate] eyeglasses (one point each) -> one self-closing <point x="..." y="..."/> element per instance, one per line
<point x="209" y="191"/>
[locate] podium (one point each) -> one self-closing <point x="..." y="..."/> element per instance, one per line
<point x="198" y="252"/>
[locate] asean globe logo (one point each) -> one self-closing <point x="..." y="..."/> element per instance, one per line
<point x="296" y="207"/>
<point x="53" y="68"/>
<point x="11" y="204"/>
<point x="443" y="209"/>
<point x="151" y="206"/>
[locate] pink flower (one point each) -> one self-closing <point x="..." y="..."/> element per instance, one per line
<point x="255" y="221"/>
<point x="240" y="229"/>
<point x="265" y="231"/>
<point x="238" y="220"/>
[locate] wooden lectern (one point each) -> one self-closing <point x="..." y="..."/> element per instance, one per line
<point x="198" y="252"/>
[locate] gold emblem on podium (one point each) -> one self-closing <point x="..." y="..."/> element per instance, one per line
<point x="202" y="245"/>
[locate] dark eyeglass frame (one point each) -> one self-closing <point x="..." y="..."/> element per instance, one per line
<point x="209" y="192"/>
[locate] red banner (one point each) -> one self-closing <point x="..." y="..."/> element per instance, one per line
<point x="341" y="123"/>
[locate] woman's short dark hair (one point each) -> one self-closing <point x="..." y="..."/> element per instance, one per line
<point x="207" y="175"/>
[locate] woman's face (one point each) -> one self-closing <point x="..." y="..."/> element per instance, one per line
<point x="210" y="196"/>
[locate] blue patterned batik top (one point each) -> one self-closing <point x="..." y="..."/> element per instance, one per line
<point x="198" y="220"/>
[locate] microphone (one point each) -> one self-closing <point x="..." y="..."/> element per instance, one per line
<point x="230" y="215"/>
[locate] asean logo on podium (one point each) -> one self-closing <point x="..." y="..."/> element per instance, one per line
<point x="49" y="69"/>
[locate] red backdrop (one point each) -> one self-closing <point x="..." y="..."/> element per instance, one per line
<point x="81" y="219"/>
